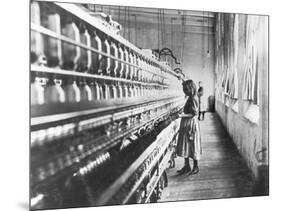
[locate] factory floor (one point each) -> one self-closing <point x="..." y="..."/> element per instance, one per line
<point x="223" y="173"/>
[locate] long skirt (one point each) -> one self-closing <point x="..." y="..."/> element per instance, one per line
<point x="202" y="103"/>
<point x="189" y="139"/>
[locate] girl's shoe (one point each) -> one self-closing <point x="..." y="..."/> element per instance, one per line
<point x="184" y="170"/>
<point x="195" y="170"/>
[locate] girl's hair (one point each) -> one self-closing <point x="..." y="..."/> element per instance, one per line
<point x="189" y="88"/>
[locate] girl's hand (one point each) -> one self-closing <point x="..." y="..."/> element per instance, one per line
<point x="185" y="115"/>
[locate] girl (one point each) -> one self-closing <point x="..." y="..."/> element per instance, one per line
<point x="202" y="100"/>
<point x="189" y="140"/>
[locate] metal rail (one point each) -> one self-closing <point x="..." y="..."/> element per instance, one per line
<point x="50" y="33"/>
<point x="95" y="147"/>
<point x="43" y="69"/>
<point x="162" y="143"/>
<point x="134" y="106"/>
<point x="75" y="10"/>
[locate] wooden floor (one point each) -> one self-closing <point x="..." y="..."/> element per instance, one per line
<point x="223" y="172"/>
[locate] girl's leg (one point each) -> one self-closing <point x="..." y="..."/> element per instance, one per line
<point x="195" y="169"/>
<point x="186" y="164"/>
<point x="186" y="168"/>
<point x="182" y="169"/>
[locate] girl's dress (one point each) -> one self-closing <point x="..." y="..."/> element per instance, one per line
<point x="189" y="139"/>
<point x="202" y="100"/>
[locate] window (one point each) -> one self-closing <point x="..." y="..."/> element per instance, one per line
<point x="230" y="78"/>
<point x="227" y="79"/>
<point x="233" y="93"/>
<point x="250" y="85"/>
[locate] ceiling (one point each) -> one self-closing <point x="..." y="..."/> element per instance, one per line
<point x="194" y="21"/>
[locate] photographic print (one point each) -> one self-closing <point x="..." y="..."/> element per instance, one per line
<point x="134" y="105"/>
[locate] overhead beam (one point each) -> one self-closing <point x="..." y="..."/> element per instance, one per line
<point x="174" y="24"/>
<point x="153" y="11"/>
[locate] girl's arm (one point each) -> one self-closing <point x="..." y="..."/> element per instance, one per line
<point x="194" y="110"/>
<point x="185" y="115"/>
